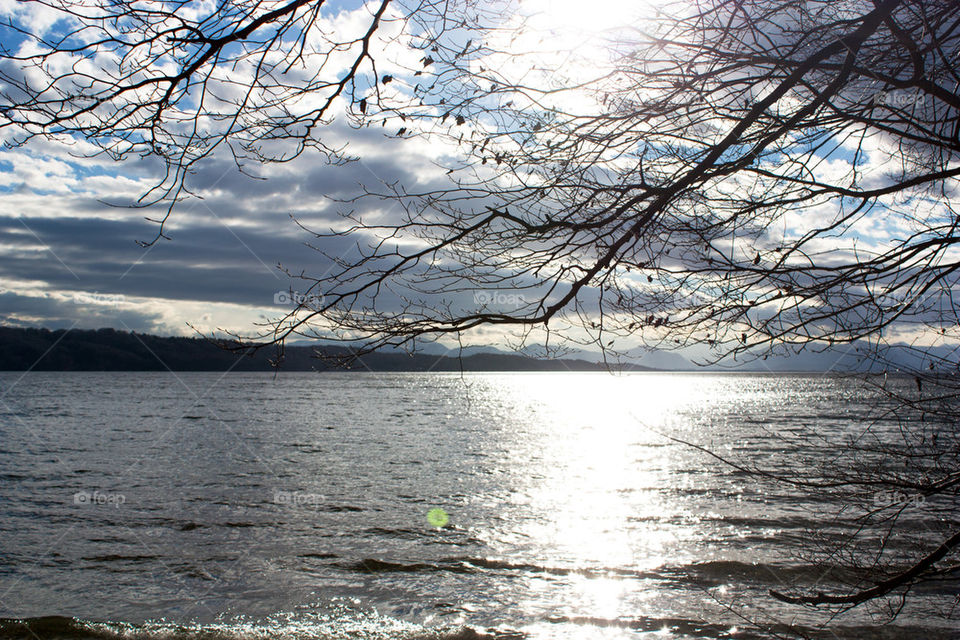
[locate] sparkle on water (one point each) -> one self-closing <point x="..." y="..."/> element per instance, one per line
<point x="575" y="517"/>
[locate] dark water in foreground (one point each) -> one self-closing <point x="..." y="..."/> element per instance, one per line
<point x="242" y="506"/>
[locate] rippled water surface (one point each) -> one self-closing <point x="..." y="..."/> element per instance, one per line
<point x="203" y="505"/>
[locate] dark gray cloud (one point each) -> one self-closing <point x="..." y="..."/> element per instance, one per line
<point x="60" y="313"/>
<point x="224" y="248"/>
<point x="206" y="261"/>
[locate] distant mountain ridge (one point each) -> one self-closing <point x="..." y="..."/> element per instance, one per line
<point x="112" y="350"/>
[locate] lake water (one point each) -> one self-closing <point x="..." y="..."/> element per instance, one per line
<point x="207" y="506"/>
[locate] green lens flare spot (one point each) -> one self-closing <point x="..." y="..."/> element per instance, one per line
<point x="437" y="517"/>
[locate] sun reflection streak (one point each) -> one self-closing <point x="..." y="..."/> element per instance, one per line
<point x="597" y="468"/>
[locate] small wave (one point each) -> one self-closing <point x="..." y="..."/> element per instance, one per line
<point x="723" y="571"/>
<point x="699" y="574"/>
<point x="363" y="627"/>
<point x="504" y="565"/>
<point x="371" y="565"/>
<point x="689" y="628"/>
<point x="478" y="565"/>
<point x="63" y="628"/>
<point x="704" y="629"/>
<point x="406" y="534"/>
<point x="320" y="556"/>
<point x="359" y="627"/>
<point x="120" y="558"/>
<point x="341" y="508"/>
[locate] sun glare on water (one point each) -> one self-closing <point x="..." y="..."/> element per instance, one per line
<point x="593" y="481"/>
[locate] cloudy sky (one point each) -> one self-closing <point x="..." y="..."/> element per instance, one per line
<point x="69" y="258"/>
<point x="70" y="255"/>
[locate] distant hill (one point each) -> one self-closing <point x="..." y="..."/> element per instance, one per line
<point x="112" y="350"/>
